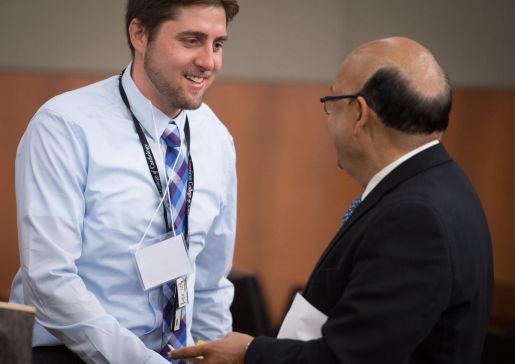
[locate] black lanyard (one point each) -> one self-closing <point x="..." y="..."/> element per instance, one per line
<point x="152" y="166"/>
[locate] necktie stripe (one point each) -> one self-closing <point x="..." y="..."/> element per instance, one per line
<point x="354" y="205"/>
<point x="177" y="173"/>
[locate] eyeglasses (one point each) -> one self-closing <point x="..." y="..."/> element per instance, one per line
<point x="329" y="101"/>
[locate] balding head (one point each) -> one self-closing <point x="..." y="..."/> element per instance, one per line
<point x="401" y="81"/>
<point x="410" y="58"/>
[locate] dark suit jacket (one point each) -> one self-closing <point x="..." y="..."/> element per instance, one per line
<point x="408" y="278"/>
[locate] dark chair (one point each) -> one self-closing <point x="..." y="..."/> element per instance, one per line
<point x="249" y="310"/>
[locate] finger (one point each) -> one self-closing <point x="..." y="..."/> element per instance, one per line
<point x="186" y="352"/>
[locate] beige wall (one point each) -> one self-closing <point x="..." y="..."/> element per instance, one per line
<point x="275" y="40"/>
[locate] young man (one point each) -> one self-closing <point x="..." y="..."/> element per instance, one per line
<point x="103" y="172"/>
<point x="408" y="276"/>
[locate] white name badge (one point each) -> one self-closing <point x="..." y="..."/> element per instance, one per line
<point x="163" y="262"/>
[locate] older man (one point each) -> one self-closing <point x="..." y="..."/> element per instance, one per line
<point x="407" y="278"/>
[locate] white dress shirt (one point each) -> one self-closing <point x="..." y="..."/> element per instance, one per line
<point x="85" y="197"/>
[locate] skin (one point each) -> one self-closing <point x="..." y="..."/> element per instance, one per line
<point x="176" y="68"/>
<point x="229" y="350"/>
<point x="364" y="145"/>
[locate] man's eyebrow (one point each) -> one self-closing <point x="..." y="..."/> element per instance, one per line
<point x="192" y="33"/>
<point x="201" y="35"/>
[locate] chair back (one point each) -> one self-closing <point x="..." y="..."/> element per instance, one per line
<point x="16" y="324"/>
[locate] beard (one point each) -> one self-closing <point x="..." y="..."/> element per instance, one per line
<point x="172" y="92"/>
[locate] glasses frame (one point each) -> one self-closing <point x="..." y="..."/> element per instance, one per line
<point x="324" y="99"/>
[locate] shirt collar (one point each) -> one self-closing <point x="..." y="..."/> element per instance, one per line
<point x="386" y="170"/>
<point x="153" y="120"/>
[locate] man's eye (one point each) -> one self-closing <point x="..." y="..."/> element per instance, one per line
<point x="190" y="42"/>
<point x="218" y="46"/>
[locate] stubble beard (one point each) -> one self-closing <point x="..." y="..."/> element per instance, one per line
<point x="173" y="94"/>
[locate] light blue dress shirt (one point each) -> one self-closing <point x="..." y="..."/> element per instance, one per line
<point x="85" y="197"/>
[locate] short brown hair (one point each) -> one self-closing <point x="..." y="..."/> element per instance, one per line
<point x="151" y="13"/>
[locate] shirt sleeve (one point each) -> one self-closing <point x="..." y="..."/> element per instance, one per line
<point x="214" y="293"/>
<point x="51" y="175"/>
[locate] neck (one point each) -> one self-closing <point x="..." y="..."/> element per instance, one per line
<point x="396" y="143"/>
<point x="389" y="150"/>
<point x="147" y="88"/>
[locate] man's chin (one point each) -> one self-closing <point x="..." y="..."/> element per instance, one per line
<point x="339" y="164"/>
<point x="191" y="105"/>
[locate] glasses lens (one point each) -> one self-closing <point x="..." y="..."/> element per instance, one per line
<point x="329" y="106"/>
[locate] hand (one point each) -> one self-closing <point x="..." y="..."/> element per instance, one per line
<point x="229" y="350"/>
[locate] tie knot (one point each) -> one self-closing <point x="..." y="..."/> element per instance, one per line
<point x="172" y="136"/>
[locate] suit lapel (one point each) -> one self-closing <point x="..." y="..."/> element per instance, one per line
<point x="426" y="159"/>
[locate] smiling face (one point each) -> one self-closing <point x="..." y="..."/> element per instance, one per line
<point x="175" y="69"/>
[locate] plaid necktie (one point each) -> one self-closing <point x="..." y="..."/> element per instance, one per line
<point x="350" y="210"/>
<point x="177" y="171"/>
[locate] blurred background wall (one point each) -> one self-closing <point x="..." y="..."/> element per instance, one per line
<point x="281" y="57"/>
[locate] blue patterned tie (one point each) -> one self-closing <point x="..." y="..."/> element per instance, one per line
<point x="177" y="171"/>
<point x="350" y="210"/>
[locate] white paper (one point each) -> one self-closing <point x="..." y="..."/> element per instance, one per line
<point x="163" y="262"/>
<point x="302" y="322"/>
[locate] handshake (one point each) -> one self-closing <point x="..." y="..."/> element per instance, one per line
<point x="199" y="342"/>
<point x="229" y="350"/>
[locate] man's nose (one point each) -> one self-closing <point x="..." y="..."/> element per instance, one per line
<point x="206" y="58"/>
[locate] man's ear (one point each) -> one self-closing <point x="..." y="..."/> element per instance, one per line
<point x="138" y="35"/>
<point x="362" y="114"/>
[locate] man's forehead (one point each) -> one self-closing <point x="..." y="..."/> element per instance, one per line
<point x="357" y="68"/>
<point x="193" y="10"/>
<point x="200" y="19"/>
<point x="343" y="79"/>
